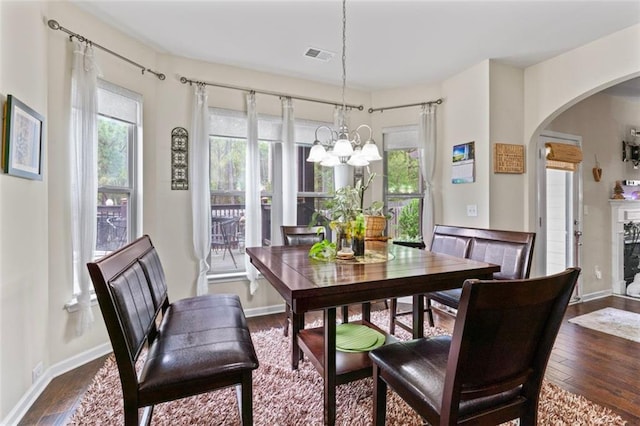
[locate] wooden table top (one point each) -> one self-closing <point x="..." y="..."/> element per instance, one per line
<point x="308" y="284"/>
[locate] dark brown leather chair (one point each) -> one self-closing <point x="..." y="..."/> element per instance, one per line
<point x="441" y="242"/>
<point x="491" y="369"/>
<point x="195" y="344"/>
<point x="512" y="250"/>
<point x="299" y="235"/>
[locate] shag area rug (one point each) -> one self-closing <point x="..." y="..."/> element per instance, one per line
<point x="613" y="321"/>
<point x="285" y="397"/>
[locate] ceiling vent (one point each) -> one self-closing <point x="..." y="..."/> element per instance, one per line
<point x="319" y="54"/>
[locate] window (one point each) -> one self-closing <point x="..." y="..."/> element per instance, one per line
<point x="227" y="181"/>
<point x="403" y="190"/>
<point x="119" y="127"/>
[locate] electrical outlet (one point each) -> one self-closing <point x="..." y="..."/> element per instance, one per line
<point x="36" y="372"/>
<point x="597" y="272"/>
<point x="472" y="210"/>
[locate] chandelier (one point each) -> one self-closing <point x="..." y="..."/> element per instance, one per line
<point x="343" y="146"/>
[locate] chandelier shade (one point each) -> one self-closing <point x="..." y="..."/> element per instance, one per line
<point x="344" y="147"/>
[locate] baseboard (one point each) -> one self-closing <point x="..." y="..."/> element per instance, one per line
<point x="624" y="296"/>
<point x="21" y="408"/>
<point x="30" y="396"/>
<point x="265" y="310"/>
<point x="595" y="295"/>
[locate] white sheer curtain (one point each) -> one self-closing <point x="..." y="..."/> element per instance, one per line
<point x="200" y="191"/>
<point x="427" y="144"/>
<point x="84" y="174"/>
<point x="289" y="165"/>
<point x="253" y="224"/>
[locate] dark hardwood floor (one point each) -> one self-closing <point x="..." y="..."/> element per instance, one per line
<point x="601" y="367"/>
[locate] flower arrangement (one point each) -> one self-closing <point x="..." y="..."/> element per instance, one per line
<point x="345" y="214"/>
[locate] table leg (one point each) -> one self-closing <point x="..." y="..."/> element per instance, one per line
<point x="366" y="311"/>
<point x="418" y="316"/>
<point x="297" y="324"/>
<point x="329" y="366"/>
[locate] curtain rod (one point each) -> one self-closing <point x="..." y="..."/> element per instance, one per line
<point x="437" y="101"/>
<point x="54" y="25"/>
<point x="185" y="80"/>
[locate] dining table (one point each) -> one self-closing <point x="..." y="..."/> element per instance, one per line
<point x="386" y="271"/>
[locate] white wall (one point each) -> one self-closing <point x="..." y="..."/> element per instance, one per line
<point x="35" y="275"/>
<point x="603" y="122"/>
<point x="466" y="119"/>
<point x="506" y="126"/>
<point x="553" y="86"/>
<point x="24" y="282"/>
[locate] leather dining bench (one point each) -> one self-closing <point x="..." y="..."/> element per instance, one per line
<point x="512" y="250"/>
<point x="194" y="345"/>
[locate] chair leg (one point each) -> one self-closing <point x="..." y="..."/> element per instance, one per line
<point x="393" y="307"/>
<point x="428" y="309"/>
<point x="287" y="318"/>
<point x="530" y="417"/>
<point x="131" y="416"/>
<point x="147" y="414"/>
<point x="245" y="400"/>
<point x="345" y="314"/>
<point x="379" y="398"/>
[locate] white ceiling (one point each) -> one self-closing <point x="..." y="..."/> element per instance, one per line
<point x="389" y="43"/>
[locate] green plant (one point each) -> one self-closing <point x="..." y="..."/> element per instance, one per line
<point x="409" y="220"/>
<point x="377" y="209"/>
<point x="323" y="250"/>
<point x="346" y="205"/>
<point x="358" y="227"/>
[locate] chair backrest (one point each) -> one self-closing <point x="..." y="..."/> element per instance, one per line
<point x="502" y="339"/>
<point x="512" y="250"/>
<point x="450" y="240"/>
<point x="129" y="302"/>
<point x="299" y="235"/>
<point x="230" y="231"/>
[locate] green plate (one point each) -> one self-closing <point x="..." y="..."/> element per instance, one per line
<point x="379" y="342"/>
<point x="357" y="338"/>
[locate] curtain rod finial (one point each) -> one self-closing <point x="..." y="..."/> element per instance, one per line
<point x="53" y="24"/>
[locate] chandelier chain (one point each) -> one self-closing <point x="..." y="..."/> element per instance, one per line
<point x="344" y="57"/>
<point x="344" y="147"/>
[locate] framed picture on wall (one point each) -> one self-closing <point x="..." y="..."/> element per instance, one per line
<point x="464" y="163"/>
<point x="22" y="140"/>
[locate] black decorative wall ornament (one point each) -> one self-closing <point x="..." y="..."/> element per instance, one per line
<point x="179" y="159"/>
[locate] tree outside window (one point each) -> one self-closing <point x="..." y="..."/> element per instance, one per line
<point x="119" y="113"/>
<point x="227" y="182"/>
<point x="403" y="193"/>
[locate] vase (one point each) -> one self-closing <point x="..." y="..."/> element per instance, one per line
<point x="343" y="242"/>
<point x="357" y="244"/>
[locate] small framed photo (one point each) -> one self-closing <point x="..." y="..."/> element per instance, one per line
<point x="22" y="139"/>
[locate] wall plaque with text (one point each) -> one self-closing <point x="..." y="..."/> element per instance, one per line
<point x="508" y="158"/>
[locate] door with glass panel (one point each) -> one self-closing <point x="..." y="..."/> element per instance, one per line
<point x="559" y="207"/>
